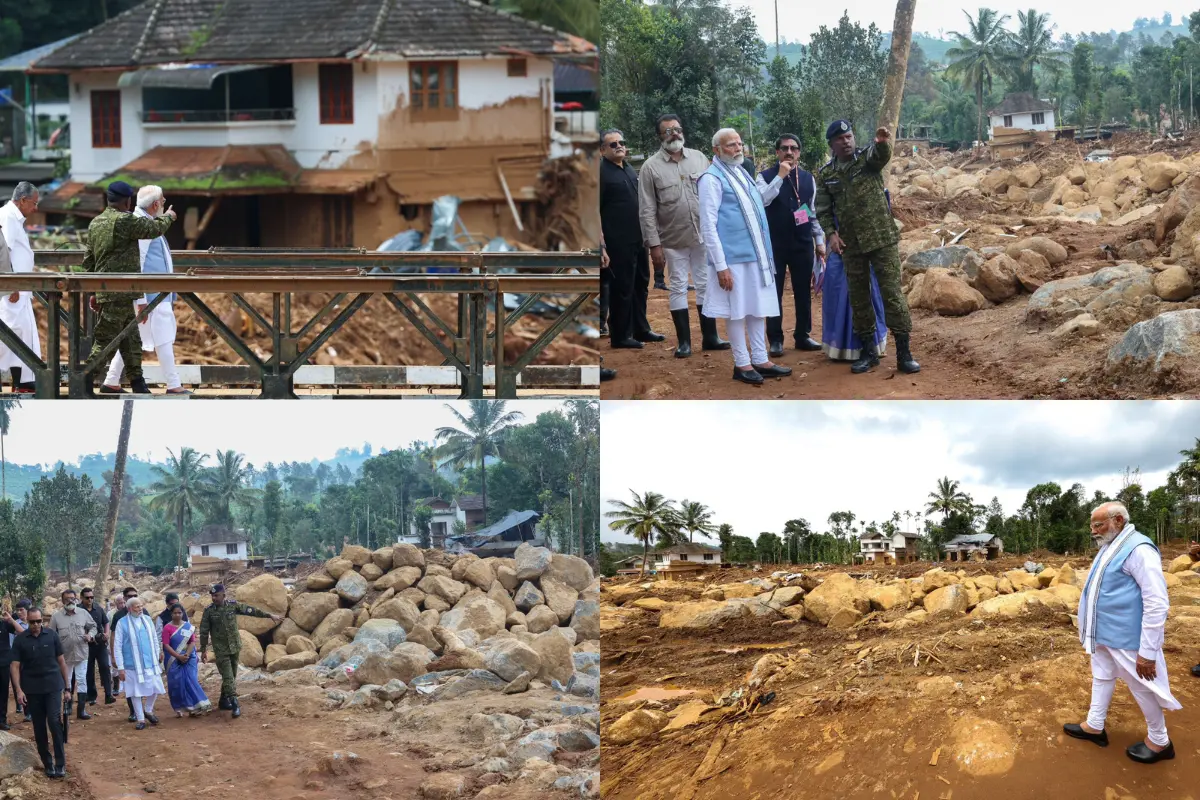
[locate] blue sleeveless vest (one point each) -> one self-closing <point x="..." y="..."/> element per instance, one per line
<point x="1119" y="610"/>
<point x="736" y="241"/>
<point x="156" y="261"/>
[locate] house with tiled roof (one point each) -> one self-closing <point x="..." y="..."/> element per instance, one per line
<point x="314" y="123"/>
<point x="899" y="547"/>
<point x="1021" y="111"/>
<point x="465" y="512"/>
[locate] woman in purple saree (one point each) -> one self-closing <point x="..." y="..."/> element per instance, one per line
<point x="183" y="665"/>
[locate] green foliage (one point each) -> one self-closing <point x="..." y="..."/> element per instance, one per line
<point x="22" y="558"/>
<point x="63" y="512"/>
<point x="845" y="66"/>
<point x="1082" y="77"/>
<point x="580" y="17"/>
<point x="481" y="434"/>
<point x="742" y="550"/>
<point x="725" y="535"/>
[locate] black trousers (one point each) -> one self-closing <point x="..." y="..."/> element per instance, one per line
<point x="98" y="657"/>
<point x="605" y="296"/>
<point x="46" y="710"/>
<point x="630" y="268"/>
<point x="4" y="681"/>
<point x="790" y="255"/>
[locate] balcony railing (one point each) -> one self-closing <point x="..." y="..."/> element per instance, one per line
<point x="221" y="115"/>
<point x="577" y="124"/>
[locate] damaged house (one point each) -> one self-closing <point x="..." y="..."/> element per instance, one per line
<point x="500" y="539"/>
<point x="316" y="123"/>
<point x="899" y="548"/>
<point x="974" y="547"/>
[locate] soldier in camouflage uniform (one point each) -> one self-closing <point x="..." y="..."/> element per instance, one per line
<point x="220" y="621"/>
<point x="112" y="246"/>
<point x="851" y="201"/>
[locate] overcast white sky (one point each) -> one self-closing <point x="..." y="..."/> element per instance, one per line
<point x="759" y="464"/>
<point x="799" y="20"/>
<point x="43" y="432"/>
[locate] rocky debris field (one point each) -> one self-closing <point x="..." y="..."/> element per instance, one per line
<point x="502" y="653"/>
<point x="821" y="684"/>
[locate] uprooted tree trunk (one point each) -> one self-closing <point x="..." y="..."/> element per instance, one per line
<point x="114" y="502"/>
<point x="893" y="86"/>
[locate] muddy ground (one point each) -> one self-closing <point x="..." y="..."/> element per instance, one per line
<point x="955" y="708"/>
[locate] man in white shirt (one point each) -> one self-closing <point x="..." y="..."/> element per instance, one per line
<point x="16" y="309"/>
<point x="1122" y="613"/>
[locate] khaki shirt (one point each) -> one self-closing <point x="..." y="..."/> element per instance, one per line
<point x="668" y="200"/>
<point x="71" y="628"/>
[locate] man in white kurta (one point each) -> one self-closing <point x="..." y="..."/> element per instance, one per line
<point x="158" y="331"/>
<point x="138" y="652"/>
<point x="1122" y="613"/>
<point x="741" y="272"/>
<point x="16" y="309"/>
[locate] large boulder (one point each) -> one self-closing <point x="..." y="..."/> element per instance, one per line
<point x="1020" y="579"/>
<point x="1172" y="214"/>
<point x="252" y="655"/>
<point x="266" y="593"/>
<point x="1166" y="341"/>
<point x="951" y="257"/>
<point x="478" y="573"/>
<point x="337" y="567"/>
<point x="1028" y="174"/>
<point x="379" y="668"/>
<point x="571" y="570"/>
<point x="1125" y="292"/>
<point x="273" y="652"/>
<point x="293" y="661"/>
<point x="702" y="614"/>
<point x="997" y="279"/>
<point x="508" y="658"/>
<point x="996" y="181"/>
<point x="387" y="631"/>
<point x="528" y="596"/>
<point x="554" y="651"/>
<point x="1065" y="576"/>
<point x="586" y="620"/>
<point x="531" y="561"/>
<point x="635" y="725"/>
<point x="506" y="576"/>
<point x="286" y="630"/>
<point x="1049" y="249"/>
<point x="1159" y="176"/>
<point x="318" y="582"/>
<point x="400" y="578"/>
<point x="370" y="572"/>
<point x="407" y="555"/>
<point x="448" y="589"/>
<point x="936" y="578"/>
<point x="383" y="558"/>
<point x="1067" y="297"/>
<point x="334" y="623"/>
<point x="308" y="609"/>
<point x="949" y="599"/>
<point x="1173" y="283"/>
<point x="356" y="555"/>
<point x="352" y="587"/>
<point x="945" y="294"/>
<point x="478" y="613"/>
<point x="1140" y="250"/>
<point x="299" y="644"/>
<point x="540" y="618"/>
<point x="1181" y="563"/>
<point x="838" y="602"/>
<point x="889" y="596"/>
<point x="559" y="597"/>
<point x="18" y="754"/>
<point x="501" y="597"/>
<point x="398" y="609"/>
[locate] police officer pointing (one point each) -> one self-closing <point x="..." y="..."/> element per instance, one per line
<point x="855" y="213"/>
<point x="220" y="621"/>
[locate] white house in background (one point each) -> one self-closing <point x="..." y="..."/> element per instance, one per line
<point x="897" y="548"/>
<point x="466" y="509"/>
<point x="219" y="541"/>
<point x="687" y="558"/>
<point x="316" y="123"/>
<point x="1022" y="111"/>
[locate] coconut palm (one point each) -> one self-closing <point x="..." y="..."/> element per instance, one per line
<point x="480" y="436"/>
<point x="649" y="518"/>
<point x="1033" y="46"/>
<point x="228" y="483"/>
<point x="947" y="499"/>
<point x="180" y="488"/>
<point x="696" y="518"/>
<point x="5" y="421"/>
<point x="979" y="56"/>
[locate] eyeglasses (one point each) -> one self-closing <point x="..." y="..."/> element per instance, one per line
<point x="616" y="145"/>
<point x="789" y="148"/>
<point x="669" y="131"/>
<point x="35" y="622"/>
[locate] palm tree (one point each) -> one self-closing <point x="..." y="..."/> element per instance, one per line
<point x="1033" y="46"/>
<point x="696" y="518"/>
<point x="228" y="483"/>
<point x="980" y="55"/>
<point x="947" y="499"/>
<point x="480" y="436"/>
<point x="5" y="421"/>
<point x="649" y="518"/>
<point x="181" y="486"/>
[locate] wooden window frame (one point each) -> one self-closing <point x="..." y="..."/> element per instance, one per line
<point x="204" y="550"/>
<point x="336" y="90"/>
<point x="1037" y="114"/>
<point x="1007" y="120"/>
<point x="447" y="84"/>
<point x="106" y="118"/>
<point x="518" y="68"/>
<point x="231" y="549"/>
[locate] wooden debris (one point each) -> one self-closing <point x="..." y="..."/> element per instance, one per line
<point x="933" y="761"/>
<point x="943" y="780"/>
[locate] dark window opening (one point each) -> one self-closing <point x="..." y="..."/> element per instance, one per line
<point x="106" y="118"/>
<point x="337" y="94"/>
<point x="517" y="68"/>
<point x="253" y="95"/>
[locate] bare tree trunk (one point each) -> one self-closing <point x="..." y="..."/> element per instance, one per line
<point x="114" y="501"/>
<point x="893" y="84"/>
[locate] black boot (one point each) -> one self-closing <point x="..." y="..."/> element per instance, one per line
<point x="659" y="280"/>
<point x="82" y="712"/>
<point x="607" y="374"/>
<point x="223" y="703"/>
<point x="16" y="378"/>
<point x="710" y="339"/>
<point x="605" y="291"/>
<point x="138" y="385"/>
<point x="683" y="332"/>
<point x="869" y="359"/>
<point x="132" y="716"/>
<point x="904" y="359"/>
<point x="237" y="710"/>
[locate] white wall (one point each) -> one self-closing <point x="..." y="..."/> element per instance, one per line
<point x="88" y="164"/>
<point x="218" y="551"/>
<point x="329" y="146"/>
<point x="1023" y="121"/>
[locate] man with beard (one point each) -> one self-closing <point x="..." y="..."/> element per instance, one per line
<point x="855" y="214"/>
<point x="733" y="223"/>
<point x="1122" y="613"/>
<point x="624" y="271"/>
<point x="670" y="212"/>
<point x="788" y="192"/>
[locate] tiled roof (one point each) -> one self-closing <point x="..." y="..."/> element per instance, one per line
<point x="217" y="534"/>
<point x="974" y="538"/>
<point x="1020" y="103"/>
<point x="470" y="502"/>
<point x="212" y="170"/>
<point x="230" y="31"/>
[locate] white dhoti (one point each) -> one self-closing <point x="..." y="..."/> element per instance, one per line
<point x="746" y="309"/>
<point x="158" y="335"/>
<point x="20" y="317"/>
<point x="685" y="264"/>
<point x="149" y="685"/>
<point x="1153" y="697"/>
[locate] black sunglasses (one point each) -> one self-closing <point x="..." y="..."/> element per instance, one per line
<point x="790" y="148"/>
<point x="35" y="622"/>
<point x="615" y="145"/>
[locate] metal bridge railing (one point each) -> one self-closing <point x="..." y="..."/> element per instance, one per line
<point x="472" y="344"/>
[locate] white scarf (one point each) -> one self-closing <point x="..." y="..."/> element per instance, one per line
<point x="750" y="212"/>
<point x="1089" y="601"/>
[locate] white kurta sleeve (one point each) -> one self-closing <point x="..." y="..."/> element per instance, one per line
<point x="769" y="191"/>
<point x="1144" y="565"/>
<point x="818" y="231"/>
<point x="710" y="203"/>
<point x="119" y="645"/>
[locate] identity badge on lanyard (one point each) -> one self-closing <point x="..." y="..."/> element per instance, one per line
<point x="802" y="214"/>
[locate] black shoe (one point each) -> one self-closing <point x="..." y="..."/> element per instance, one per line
<point x="650" y="336"/>
<point x="82" y="712"/>
<point x="4" y="726"/>
<point x="603" y="331"/>
<point x="904" y="359"/>
<point x="747" y="376"/>
<point x="61" y="772"/>
<point x="1077" y="732"/>
<point x="773" y="371"/>
<point x="106" y="389"/>
<point x="1196" y="671"/>
<point x="683" y="332"/>
<point x="607" y="374"/>
<point x="29" y="717"/>
<point x="1140" y="752"/>
<point x="237" y="709"/>
<point x="141" y="726"/>
<point x="138" y="385"/>
<point x="626" y="344"/>
<point x="710" y="339"/>
<point x="808" y="343"/>
<point x="775" y="349"/>
<point x="869" y="359"/>
<point x="51" y="773"/>
<point x="223" y="703"/>
<point x="108" y="701"/>
<point x="153" y="720"/>
<point x="660" y="281"/>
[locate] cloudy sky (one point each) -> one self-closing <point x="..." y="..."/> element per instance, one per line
<point x="799" y="20"/>
<point x="759" y="464"/>
<point x="44" y="432"/>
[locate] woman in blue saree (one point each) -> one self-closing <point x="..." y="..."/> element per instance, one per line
<point x="838" y="339"/>
<point x="183" y="665"/>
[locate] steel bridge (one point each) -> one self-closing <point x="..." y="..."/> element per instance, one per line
<point x="472" y="344"/>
